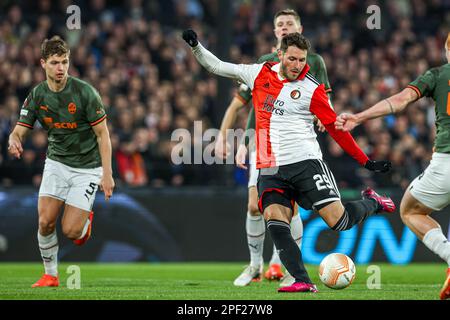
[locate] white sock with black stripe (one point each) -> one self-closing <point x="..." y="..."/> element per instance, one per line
<point x="436" y="241"/>
<point x="297" y="229"/>
<point x="48" y="245"/>
<point x="256" y="231"/>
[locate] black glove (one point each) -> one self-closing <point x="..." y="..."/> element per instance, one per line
<point x="378" y="166"/>
<point x="190" y="37"/>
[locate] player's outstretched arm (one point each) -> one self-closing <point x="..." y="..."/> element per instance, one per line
<point x="16" y="139"/>
<point x="208" y="60"/>
<point x="243" y="72"/>
<point x="222" y="147"/>
<point x="391" y="105"/>
<point x="107" y="182"/>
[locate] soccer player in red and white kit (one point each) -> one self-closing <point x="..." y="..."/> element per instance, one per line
<point x="286" y="98"/>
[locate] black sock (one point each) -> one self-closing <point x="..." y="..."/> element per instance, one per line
<point x="355" y="212"/>
<point x="288" y="250"/>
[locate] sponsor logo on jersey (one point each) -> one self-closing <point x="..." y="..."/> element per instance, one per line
<point x="295" y="94"/>
<point x="45" y="108"/>
<point x="24" y="112"/>
<point x="271" y="104"/>
<point x="72" y="107"/>
<point x="59" y="125"/>
<point x="66" y="125"/>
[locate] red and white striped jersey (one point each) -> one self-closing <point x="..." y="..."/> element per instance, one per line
<point x="284" y="113"/>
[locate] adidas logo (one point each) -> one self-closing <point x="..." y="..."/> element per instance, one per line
<point x="266" y="85"/>
<point x="332" y="193"/>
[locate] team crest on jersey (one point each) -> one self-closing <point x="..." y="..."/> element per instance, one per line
<point x="72" y="108"/>
<point x="295" y="94"/>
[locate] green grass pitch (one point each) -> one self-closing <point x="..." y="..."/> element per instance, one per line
<point x="209" y="281"/>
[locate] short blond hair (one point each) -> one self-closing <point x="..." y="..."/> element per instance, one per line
<point x="447" y="43"/>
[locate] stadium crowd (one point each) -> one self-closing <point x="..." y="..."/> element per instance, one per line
<point x="132" y="52"/>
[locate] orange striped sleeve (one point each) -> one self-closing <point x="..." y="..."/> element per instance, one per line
<point x="23" y="124"/>
<point x="415" y="89"/>
<point x="98" y="121"/>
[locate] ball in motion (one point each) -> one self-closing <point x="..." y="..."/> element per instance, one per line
<point x="337" y="271"/>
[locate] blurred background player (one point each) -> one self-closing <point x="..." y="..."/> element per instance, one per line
<point x="78" y="155"/>
<point x="285" y="21"/>
<point x="431" y="190"/>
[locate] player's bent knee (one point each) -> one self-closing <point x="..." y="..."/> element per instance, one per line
<point x="274" y="213"/>
<point x="409" y="207"/>
<point x="253" y="209"/>
<point x="268" y="215"/>
<point x="71" y="232"/>
<point x="405" y="217"/>
<point x="46" y="226"/>
<point x="332" y="213"/>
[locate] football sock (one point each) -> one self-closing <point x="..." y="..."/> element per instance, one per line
<point x="288" y="250"/>
<point x="297" y="234"/>
<point x="85" y="228"/>
<point x="297" y="229"/>
<point x="256" y="230"/>
<point x="355" y="212"/>
<point x="436" y="241"/>
<point x="275" y="258"/>
<point x="48" y="245"/>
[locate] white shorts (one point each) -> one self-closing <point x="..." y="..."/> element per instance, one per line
<point x="432" y="187"/>
<point x="76" y="187"/>
<point x="253" y="172"/>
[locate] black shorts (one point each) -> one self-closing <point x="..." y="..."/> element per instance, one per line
<point x="310" y="183"/>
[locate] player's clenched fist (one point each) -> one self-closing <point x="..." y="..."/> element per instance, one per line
<point x="346" y="122"/>
<point x="241" y="155"/>
<point x="222" y="148"/>
<point x="190" y="37"/>
<point x="15" y="148"/>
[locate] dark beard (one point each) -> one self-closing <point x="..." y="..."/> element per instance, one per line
<point x="284" y="73"/>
